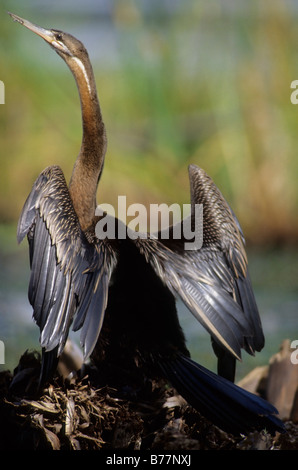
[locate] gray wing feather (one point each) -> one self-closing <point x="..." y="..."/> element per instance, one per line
<point x="213" y="281"/>
<point x="69" y="275"/>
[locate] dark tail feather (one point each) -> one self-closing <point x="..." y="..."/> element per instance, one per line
<point x="49" y="363"/>
<point x="228" y="406"/>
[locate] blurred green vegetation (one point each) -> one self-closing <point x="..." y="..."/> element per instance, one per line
<point x="204" y="83"/>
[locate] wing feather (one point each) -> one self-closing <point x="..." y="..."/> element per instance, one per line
<point x="69" y="274"/>
<point x="212" y="281"/>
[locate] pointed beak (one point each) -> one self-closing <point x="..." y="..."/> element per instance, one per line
<point x="46" y="34"/>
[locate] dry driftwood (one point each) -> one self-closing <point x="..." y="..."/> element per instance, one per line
<point x="278" y="382"/>
<point x="282" y="382"/>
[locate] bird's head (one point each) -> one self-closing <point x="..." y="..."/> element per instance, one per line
<point x="64" y="44"/>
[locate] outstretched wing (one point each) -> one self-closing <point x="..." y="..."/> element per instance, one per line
<point x="212" y="281"/>
<point x="69" y="274"/>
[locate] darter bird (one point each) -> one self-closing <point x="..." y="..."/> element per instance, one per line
<point x="121" y="293"/>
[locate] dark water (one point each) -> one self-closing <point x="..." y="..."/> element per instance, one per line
<point x="274" y="276"/>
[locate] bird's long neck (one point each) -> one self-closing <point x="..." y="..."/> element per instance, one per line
<point x="89" y="164"/>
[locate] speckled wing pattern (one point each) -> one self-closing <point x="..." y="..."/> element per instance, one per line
<point x="69" y="274"/>
<point x="212" y="281"/>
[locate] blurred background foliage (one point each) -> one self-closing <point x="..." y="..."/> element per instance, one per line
<point x="179" y="82"/>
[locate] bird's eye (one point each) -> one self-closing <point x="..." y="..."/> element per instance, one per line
<point x="59" y="37"/>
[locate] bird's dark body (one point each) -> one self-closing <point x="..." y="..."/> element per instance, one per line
<point x="141" y="323"/>
<point x="121" y="293"/>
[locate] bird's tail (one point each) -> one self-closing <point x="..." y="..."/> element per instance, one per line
<point x="230" y="407"/>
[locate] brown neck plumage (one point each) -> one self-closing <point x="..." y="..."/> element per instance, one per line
<point x="89" y="164"/>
